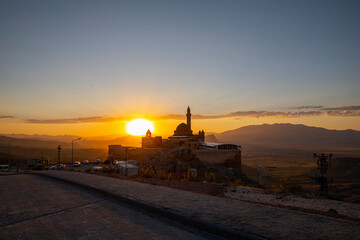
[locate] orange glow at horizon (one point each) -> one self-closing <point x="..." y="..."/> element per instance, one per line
<point x="166" y="127"/>
<point x="138" y="127"/>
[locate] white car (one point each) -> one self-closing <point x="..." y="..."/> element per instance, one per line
<point x="77" y="164"/>
<point x="57" y="166"/>
<point x="97" y="169"/>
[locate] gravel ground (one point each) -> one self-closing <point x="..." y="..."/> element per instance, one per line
<point x="276" y="199"/>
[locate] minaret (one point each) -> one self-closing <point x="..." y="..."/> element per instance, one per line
<point x="188" y="116"/>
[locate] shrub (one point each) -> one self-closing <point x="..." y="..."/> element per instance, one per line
<point x="209" y="177"/>
<point x="290" y="188"/>
<point x="234" y="183"/>
<point x="160" y="174"/>
<point x="191" y="176"/>
<point x="108" y="169"/>
<point x="147" y="172"/>
<point x="183" y="179"/>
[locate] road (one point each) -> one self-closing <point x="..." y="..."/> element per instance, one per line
<point x="33" y="207"/>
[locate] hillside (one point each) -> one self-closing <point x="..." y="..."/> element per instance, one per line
<point x="128" y="140"/>
<point x="43" y="137"/>
<point x="290" y="135"/>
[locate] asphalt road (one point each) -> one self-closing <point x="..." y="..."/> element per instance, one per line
<point x="33" y="207"/>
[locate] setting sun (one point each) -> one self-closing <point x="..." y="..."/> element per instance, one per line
<point x="138" y="127"/>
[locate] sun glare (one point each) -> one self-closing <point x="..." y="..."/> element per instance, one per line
<point x="138" y="127"/>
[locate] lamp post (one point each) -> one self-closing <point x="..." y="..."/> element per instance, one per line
<point x="72" y="152"/>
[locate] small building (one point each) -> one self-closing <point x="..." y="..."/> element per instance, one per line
<point x="151" y="142"/>
<point x="127" y="169"/>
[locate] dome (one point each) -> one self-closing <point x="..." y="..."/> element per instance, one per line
<point x="182" y="130"/>
<point x="182" y="127"/>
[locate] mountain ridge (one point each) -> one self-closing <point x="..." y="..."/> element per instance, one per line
<point x="286" y="134"/>
<point x="274" y="135"/>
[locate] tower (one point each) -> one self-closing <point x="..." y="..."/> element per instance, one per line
<point x="188" y="116"/>
<point x="323" y="163"/>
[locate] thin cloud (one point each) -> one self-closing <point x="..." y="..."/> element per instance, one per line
<point x="74" y="120"/>
<point x="170" y="117"/>
<point x="348" y="111"/>
<point x="260" y="114"/>
<point x="239" y="114"/>
<point x="343" y="108"/>
<point x="193" y="116"/>
<point x="308" y="107"/>
<point x="6" y="117"/>
<point x="336" y="113"/>
<point x="197" y="116"/>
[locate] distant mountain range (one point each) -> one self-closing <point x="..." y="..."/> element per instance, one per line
<point x="31" y="143"/>
<point x="60" y="138"/>
<point x="290" y="135"/>
<point x="276" y="135"/>
<point x="54" y="141"/>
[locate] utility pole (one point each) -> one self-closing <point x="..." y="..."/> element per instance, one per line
<point x="58" y="157"/>
<point x="9" y="156"/>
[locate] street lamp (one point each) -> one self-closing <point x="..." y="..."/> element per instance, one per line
<point x="72" y="152"/>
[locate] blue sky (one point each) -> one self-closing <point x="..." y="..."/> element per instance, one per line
<point x="68" y="59"/>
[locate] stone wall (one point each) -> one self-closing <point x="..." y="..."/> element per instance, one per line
<point x="211" y="156"/>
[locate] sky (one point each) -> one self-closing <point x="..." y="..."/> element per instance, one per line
<point x="89" y="67"/>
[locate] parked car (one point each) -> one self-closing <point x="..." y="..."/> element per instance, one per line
<point x="57" y="166"/>
<point x="77" y="164"/>
<point x="115" y="162"/>
<point x="85" y="161"/>
<point x="97" y="161"/>
<point x="38" y="167"/>
<point x="4" y="168"/>
<point x="97" y="169"/>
